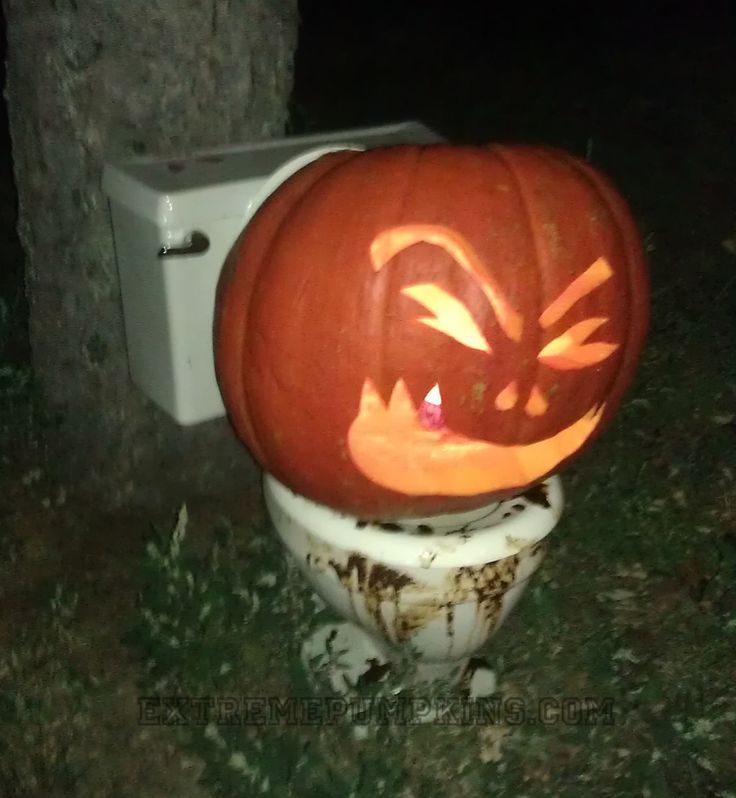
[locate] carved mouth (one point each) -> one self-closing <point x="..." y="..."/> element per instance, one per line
<point x="392" y="448"/>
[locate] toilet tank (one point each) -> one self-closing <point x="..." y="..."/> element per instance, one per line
<point x="174" y="222"/>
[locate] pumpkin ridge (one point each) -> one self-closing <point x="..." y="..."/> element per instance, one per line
<point x="637" y="288"/>
<point x="554" y="158"/>
<point x="603" y="191"/>
<point x="504" y="154"/>
<point x="409" y="174"/>
<point x="304" y="185"/>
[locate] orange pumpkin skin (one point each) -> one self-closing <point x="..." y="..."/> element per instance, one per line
<point x="511" y="277"/>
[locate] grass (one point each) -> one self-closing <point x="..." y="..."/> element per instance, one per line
<point x="207" y="631"/>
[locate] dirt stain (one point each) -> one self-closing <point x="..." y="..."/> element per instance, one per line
<point x="537" y="494"/>
<point x="376" y="583"/>
<point x="484" y="586"/>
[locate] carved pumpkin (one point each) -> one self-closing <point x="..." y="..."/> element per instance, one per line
<point x="414" y="330"/>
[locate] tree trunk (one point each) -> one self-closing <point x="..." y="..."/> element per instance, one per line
<point x="91" y="80"/>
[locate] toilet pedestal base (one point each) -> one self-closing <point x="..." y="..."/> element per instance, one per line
<point x="351" y="661"/>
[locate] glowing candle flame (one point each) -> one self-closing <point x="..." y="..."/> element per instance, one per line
<point x="430" y="411"/>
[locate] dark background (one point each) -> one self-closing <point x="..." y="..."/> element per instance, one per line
<point x="638" y="87"/>
<point x="14" y="349"/>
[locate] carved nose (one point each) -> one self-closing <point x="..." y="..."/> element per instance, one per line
<point x="508" y="398"/>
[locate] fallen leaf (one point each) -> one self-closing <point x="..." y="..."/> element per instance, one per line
<point x="619" y="595"/>
<point x="491" y="739"/>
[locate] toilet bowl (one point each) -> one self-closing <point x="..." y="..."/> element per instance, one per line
<point x="437" y="588"/>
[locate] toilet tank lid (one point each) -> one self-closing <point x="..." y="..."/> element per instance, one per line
<point x="152" y="187"/>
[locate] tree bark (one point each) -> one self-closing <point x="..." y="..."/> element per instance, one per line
<point x="92" y="80"/>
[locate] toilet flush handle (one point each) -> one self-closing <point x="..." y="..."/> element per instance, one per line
<point x="198" y="243"/>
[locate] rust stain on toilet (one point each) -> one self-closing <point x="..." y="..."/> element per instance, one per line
<point x="400" y="606"/>
<point x="537" y="494"/>
<point x="377" y="584"/>
<point x="484" y="586"/>
<point x="539" y="548"/>
<point x="413" y="617"/>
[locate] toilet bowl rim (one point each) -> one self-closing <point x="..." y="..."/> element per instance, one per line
<point x="292" y="512"/>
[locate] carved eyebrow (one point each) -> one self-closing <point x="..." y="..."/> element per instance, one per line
<point x="392" y="241"/>
<point x="589" y="280"/>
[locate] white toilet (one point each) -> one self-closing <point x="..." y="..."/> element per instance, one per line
<point x="438" y="586"/>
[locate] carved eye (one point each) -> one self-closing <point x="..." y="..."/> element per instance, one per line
<point x="451" y="317"/>
<point x="568" y="351"/>
<point x="595" y="275"/>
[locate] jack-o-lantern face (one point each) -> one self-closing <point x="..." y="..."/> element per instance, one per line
<point x="417" y="330"/>
<point x="403" y="449"/>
